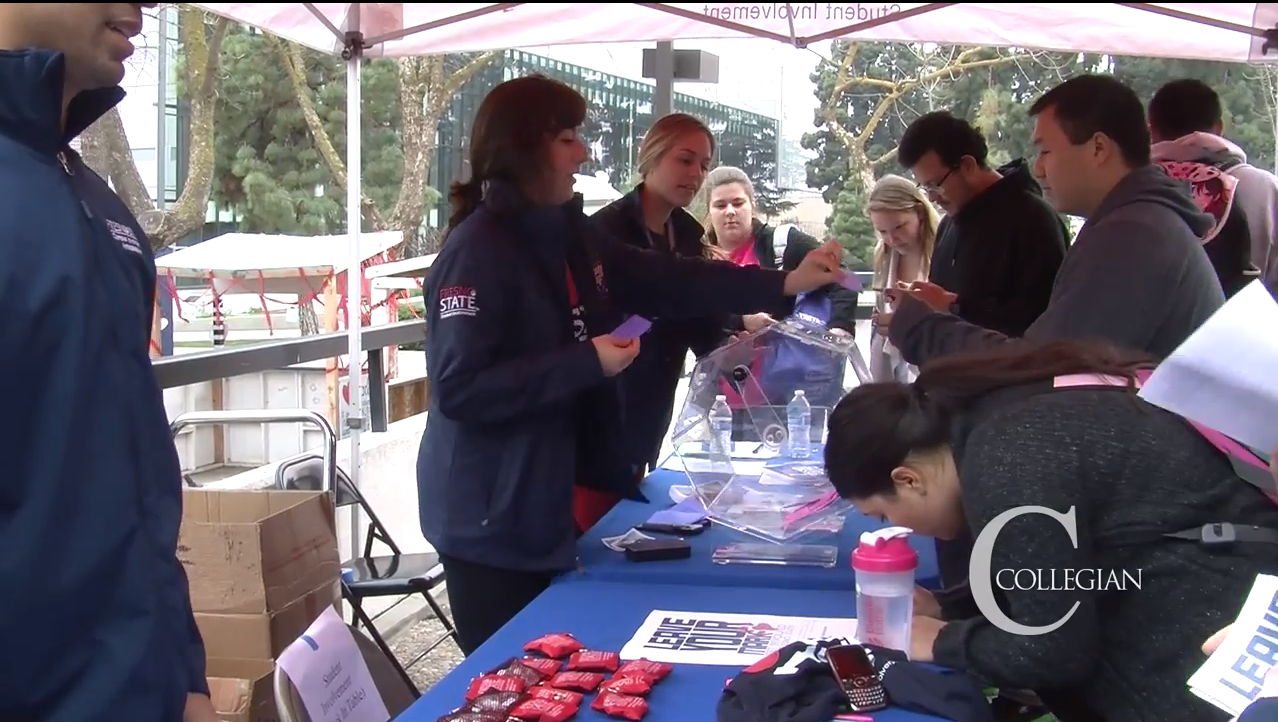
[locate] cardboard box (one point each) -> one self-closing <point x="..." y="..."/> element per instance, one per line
<point x="254" y="552"/>
<point x="242" y="690"/>
<point x="265" y="635"/>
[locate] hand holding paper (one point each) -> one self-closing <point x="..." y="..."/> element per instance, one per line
<point x="615" y="354"/>
<point x="819" y="268"/>
<point x="1238" y="672"/>
<point x="632" y="328"/>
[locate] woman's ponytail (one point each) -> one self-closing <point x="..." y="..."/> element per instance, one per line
<point x="463" y="198"/>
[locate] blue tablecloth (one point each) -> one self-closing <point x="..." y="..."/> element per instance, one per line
<point x="605" y="615"/>
<point x="599" y="563"/>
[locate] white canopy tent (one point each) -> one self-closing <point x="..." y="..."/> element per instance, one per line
<point x="272" y="263"/>
<point x="1233" y="32"/>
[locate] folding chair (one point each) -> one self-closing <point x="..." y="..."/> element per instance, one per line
<point x="396" y="696"/>
<point x="393" y="575"/>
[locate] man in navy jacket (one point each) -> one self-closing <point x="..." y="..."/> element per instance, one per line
<point x="96" y="618"/>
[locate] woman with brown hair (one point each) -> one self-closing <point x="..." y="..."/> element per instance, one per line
<point x="521" y="305"/>
<point x="1058" y="429"/>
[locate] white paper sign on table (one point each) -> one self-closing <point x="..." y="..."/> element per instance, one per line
<point x="1225" y="375"/>
<point x="326" y="667"/>
<point x="722" y="639"/>
<point x="1232" y="677"/>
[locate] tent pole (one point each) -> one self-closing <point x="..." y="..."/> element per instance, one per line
<point x="354" y="56"/>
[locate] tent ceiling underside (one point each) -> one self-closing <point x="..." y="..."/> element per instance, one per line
<point x="1232" y="32"/>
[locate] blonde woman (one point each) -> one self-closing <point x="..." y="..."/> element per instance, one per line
<point x="905" y="223"/>
<point x="673" y="160"/>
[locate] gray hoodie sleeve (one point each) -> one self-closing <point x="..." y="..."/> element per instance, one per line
<point x="1257" y="193"/>
<point x="1110" y="288"/>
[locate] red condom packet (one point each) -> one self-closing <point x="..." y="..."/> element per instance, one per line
<point x="555" y="646"/>
<point x="589" y="660"/>
<point x="621" y="706"/>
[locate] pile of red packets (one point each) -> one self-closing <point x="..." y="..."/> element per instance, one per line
<point x="550" y="685"/>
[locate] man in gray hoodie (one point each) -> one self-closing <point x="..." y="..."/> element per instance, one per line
<point x="1187" y="124"/>
<point x="1136" y="276"/>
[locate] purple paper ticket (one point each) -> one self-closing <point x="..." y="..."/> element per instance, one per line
<point x="851" y="281"/>
<point x="632" y="328"/>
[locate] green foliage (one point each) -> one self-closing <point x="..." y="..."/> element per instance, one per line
<point x="994" y="98"/>
<point x="267" y="165"/>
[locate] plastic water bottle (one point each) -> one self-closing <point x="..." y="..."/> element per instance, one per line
<point x="721" y="425"/>
<point x="798" y="421"/>
<point x="885" y="564"/>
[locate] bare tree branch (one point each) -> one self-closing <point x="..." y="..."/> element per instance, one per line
<point x="106" y="144"/>
<point x="854" y="144"/>
<point x="295" y="65"/>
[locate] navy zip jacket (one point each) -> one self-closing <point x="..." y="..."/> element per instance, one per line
<point x="96" y="620"/>
<point x="520" y="409"/>
<point x="649" y="383"/>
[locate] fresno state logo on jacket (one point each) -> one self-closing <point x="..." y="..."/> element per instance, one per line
<point x="457" y="301"/>
<point x="579" y="332"/>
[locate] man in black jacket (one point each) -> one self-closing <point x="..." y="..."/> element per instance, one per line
<point x="997" y="250"/>
<point x="1000" y="245"/>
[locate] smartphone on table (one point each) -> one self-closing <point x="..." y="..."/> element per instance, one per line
<point x="855" y="674"/>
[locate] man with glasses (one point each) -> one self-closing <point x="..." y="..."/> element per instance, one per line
<point x="1000" y="244"/>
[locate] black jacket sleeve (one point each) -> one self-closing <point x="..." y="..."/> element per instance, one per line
<point x="1005" y="475"/>
<point x="1032" y="253"/>
<point x="666" y="286"/>
<point x="473" y="377"/>
<point x="842" y="301"/>
<point x="1113" y="289"/>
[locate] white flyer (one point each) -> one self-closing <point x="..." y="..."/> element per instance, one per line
<point x="1222" y="376"/>
<point x="727" y="640"/>
<point x="1233" y="676"/>
<point x="328" y="670"/>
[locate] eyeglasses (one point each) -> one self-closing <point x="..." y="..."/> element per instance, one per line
<point x="936" y="187"/>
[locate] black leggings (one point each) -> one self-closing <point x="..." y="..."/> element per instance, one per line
<point x="484" y="598"/>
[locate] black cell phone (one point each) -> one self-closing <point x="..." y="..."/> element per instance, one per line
<point x="658" y="550"/>
<point x="674" y="529"/>
<point x="856" y="676"/>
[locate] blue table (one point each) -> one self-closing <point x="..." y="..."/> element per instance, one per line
<point x="599" y="563"/>
<point x="689" y="694"/>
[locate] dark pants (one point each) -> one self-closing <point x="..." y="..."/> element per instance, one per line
<point x="953" y="558"/>
<point x="484" y="598"/>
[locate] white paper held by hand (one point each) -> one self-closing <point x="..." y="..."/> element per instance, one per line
<point x="1224" y="375"/>
<point x="326" y="667"/>
<point x="1234" y="675"/>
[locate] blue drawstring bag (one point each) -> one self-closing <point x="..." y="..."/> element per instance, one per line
<point x="793" y="364"/>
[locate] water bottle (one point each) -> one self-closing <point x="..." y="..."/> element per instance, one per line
<point x="721" y="426"/>
<point x="885" y="564"/>
<point x="798" y="421"/>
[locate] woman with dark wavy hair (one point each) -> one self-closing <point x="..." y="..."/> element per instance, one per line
<point x="522" y="305"/>
<point x="1059" y="426"/>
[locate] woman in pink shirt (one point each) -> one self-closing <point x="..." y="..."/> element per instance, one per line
<point x="748" y="241"/>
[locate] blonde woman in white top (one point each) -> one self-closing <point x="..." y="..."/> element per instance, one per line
<point x="905" y="224"/>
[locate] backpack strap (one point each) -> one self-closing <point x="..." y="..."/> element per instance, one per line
<point x="1246" y="464"/>
<point x="780" y="240"/>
